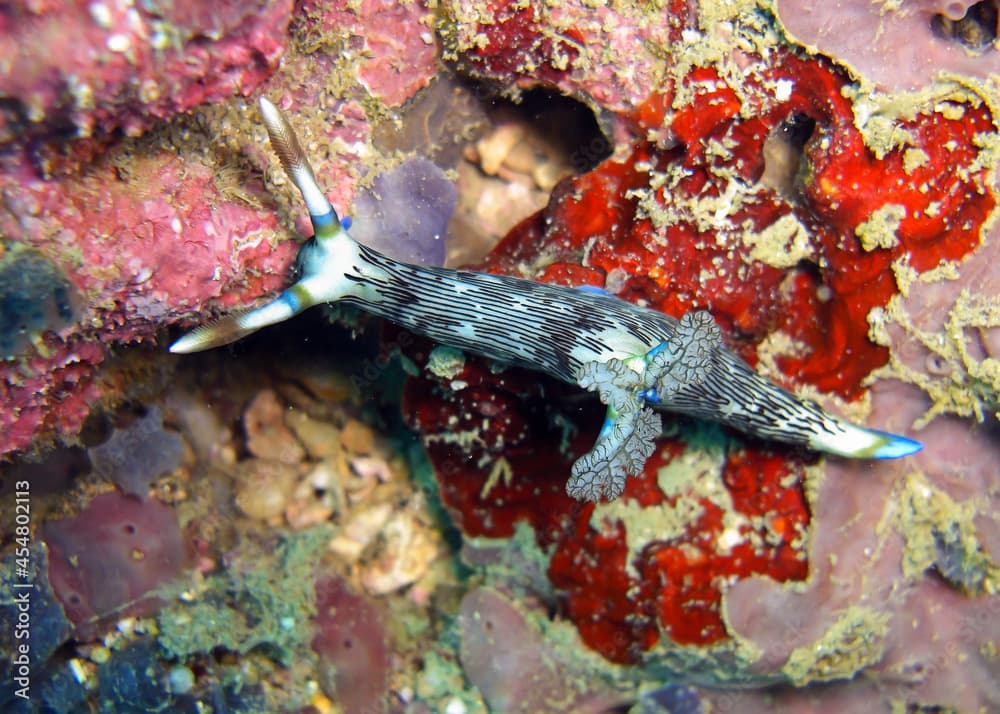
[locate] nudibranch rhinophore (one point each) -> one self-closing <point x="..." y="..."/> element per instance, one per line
<point x="637" y="360"/>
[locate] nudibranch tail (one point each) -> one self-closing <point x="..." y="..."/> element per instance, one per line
<point x="858" y="442"/>
<point x="734" y="394"/>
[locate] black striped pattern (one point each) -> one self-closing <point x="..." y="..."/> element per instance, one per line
<point x="558" y="329"/>
<point x="734" y="394"/>
<point x="550" y="328"/>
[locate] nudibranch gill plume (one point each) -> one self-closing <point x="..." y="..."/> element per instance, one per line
<point x="637" y="360"/>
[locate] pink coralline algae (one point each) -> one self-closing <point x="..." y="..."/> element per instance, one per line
<point x="104" y="563"/>
<point x="91" y="68"/>
<point x="124" y="244"/>
<point x="49" y="394"/>
<point x="178" y="223"/>
<point x="397" y="52"/>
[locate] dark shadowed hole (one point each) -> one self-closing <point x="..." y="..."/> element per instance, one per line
<point x="128" y="529"/>
<point x="811" y="269"/>
<point x="569" y="125"/>
<point x="454" y="110"/>
<point x="48" y="472"/>
<point x="797" y="129"/>
<point x="976" y="30"/>
<point x="348" y="644"/>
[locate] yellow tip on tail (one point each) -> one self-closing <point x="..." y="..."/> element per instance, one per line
<point x="238" y="325"/>
<point x="210" y="335"/>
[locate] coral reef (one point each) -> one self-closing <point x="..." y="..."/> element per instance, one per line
<point x="126" y="260"/>
<point x="925" y="38"/>
<point x="807" y="272"/>
<point x="689" y="530"/>
<point x="840" y="232"/>
<point x="91" y="69"/>
<point x="521" y="45"/>
<point x="162" y="228"/>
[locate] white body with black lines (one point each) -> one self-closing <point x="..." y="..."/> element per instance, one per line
<point x="636" y="359"/>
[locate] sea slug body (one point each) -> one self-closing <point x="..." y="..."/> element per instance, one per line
<point x="636" y="359"/>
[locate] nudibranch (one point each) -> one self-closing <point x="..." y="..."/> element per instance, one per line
<point x="637" y="360"/>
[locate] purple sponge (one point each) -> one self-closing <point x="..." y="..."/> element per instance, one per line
<point x="862" y="34"/>
<point x="104" y="563"/>
<point x="350" y="636"/>
<point x="405" y="213"/>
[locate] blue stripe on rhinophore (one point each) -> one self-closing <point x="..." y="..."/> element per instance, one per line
<point x="326" y="224"/>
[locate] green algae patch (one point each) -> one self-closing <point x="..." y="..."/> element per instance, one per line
<point x="855" y="641"/>
<point x="939" y="533"/>
<point x="582" y="665"/>
<point x="517" y="559"/>
<point x="442" y="682"/>
<point x="264" y="600"/>
<point x="726" y="663"/>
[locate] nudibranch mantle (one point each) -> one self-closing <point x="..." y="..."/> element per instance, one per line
<point x="636" y="359"/>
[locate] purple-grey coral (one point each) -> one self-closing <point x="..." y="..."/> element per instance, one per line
<point x="134" y="457"/>
<point x="406" y="211"/>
